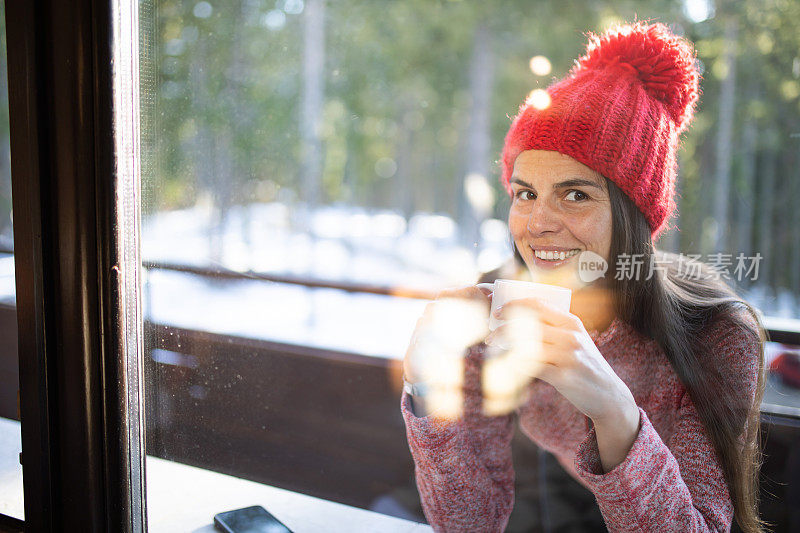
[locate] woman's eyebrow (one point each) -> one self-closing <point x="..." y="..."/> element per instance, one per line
<point x="574" y="182"/>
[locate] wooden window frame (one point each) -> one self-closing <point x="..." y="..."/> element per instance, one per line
<point x="81" y="458"/>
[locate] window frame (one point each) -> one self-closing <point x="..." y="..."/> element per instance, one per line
<point x="81" y="467"/>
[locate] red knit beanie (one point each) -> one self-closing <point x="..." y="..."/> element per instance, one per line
<point x="620" y="111"/>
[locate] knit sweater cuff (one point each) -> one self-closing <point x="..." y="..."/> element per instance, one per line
<point x="644" y="462"/>
<point x="428" y="432"/>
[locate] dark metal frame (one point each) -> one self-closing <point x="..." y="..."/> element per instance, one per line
<point x="75" y="426"/>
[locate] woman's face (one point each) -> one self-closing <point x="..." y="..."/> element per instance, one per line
<point x="558" y="206"/>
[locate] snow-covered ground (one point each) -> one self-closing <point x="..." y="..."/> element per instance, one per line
<point x="324" y="318"/>
<point x="339" y="244"/>
<point x="334" y="243"/>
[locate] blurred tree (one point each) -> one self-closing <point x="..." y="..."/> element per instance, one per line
<point x="394" y="105"/>
<point x="474" y="188"/>
<point x="744" y="202"/>
<point x="313" y="97"/>
<point x="724" y="145"/>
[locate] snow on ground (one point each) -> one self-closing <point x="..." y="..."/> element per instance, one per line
<point x="324" y="318"/>
<point x="335" y="243"/>
<point x="343" y="245"/>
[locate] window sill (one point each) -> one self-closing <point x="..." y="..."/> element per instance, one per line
<point x="185" y="498"/>
<point x="11" y="500"/>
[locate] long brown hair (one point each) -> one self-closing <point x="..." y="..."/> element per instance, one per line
<point x="674" y="310"/>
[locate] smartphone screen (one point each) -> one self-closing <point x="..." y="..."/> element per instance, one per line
<point x="254" y="519"/>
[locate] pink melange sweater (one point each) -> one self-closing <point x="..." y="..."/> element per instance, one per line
<point x="671" y="479"/>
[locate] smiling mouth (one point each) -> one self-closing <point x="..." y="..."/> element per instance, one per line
<point x="555" y="256"/>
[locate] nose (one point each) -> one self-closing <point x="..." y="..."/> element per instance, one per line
<point x="543" y="218"/>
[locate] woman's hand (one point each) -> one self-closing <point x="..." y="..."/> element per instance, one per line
<point x="454" y="321"/>
<point x="567" y="358"/>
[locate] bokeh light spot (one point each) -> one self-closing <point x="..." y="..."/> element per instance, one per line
<point x="538" y="98"/>
<point x="540" y="65"/>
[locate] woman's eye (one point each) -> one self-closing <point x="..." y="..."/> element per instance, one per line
<point x="581" y="196"/>
<point x="523" y="194"/>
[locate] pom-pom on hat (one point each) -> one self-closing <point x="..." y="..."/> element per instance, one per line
<point x="620" y="111"/>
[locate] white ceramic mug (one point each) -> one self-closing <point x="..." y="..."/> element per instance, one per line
<point x="506" y="290"/>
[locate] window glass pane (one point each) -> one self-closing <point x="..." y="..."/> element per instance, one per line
<point x="315" y="172"/>
<point x="10" y="443"/>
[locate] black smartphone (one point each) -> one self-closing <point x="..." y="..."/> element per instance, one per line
<point x="253" y="519"/>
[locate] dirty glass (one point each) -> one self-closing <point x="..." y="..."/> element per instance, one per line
<point x="314" y="172"/>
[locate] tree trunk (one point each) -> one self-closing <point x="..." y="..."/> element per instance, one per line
<point x="725" y="137"/>
<point x="746" y="200"/>
<point x="481" y="76"/>
<point x="402" y="181"/>
<point x="312" y="100"/>
<point x="202" y="147"/>
<point x="223" y="170"/>
<point x="228" y="174"/>
<point x="766" y="205"/>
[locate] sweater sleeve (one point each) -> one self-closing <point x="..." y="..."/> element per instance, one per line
<point x="464" y="470"/>
<point x="677" y="486"/>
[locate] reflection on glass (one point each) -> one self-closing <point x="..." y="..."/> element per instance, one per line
<point x="315" y="172"/>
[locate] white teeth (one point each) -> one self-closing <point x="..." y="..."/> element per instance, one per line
<point x="555" y="256"/>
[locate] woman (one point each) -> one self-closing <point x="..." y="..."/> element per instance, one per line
<point x="649" y="394"/>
